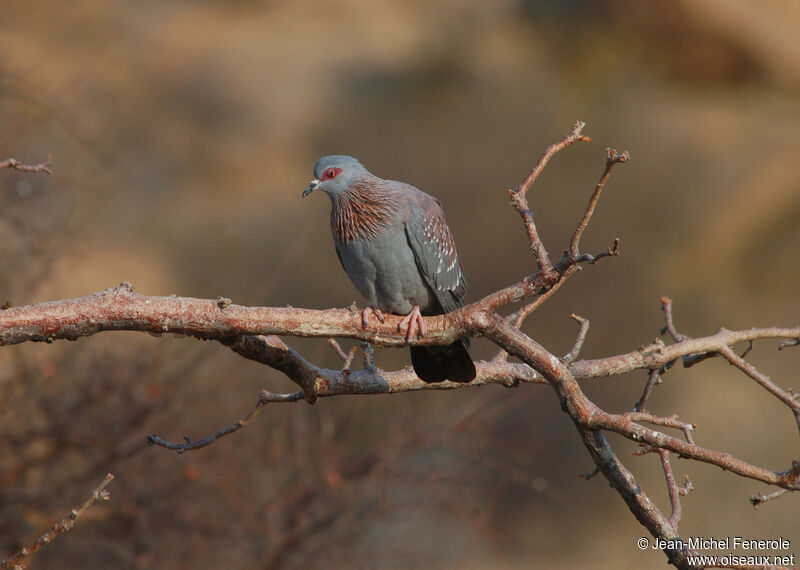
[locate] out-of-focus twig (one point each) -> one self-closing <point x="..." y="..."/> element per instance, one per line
<point x="62" y="526"/>
<point x="17" y="165"/>
<point x="190" y="444"/>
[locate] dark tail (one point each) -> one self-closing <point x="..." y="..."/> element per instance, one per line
<point x="440" y="363"/>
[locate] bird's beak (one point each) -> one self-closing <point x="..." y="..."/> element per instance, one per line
<point x="311" y="187"/>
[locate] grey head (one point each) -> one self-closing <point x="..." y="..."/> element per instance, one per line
<point x="334" y="174"/>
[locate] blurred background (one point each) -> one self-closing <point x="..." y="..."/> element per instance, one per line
<point x="182" y="134"/>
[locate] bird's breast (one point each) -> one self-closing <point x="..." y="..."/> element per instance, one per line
<point x="385" y="272"/>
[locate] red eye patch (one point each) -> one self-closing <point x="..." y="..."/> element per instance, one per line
<point x="331" y="173"/>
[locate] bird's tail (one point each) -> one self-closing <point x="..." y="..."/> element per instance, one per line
<point x="440" y="363"/>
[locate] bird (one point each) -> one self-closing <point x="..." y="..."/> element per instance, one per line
<point x="395" y="246"/>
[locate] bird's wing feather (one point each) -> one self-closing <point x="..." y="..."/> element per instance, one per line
<point x="435" y="251"/>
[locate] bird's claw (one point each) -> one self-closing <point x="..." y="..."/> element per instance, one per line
<point x="414" y="322"/>
<point x="365" y="315"/>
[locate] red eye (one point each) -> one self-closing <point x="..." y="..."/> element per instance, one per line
<point x="331" y="173"/>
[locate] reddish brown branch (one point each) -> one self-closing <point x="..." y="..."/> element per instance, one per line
<point x="783" y="395"/>
<point x="674" y="492"/>
<point x="520" y="201"/>
<point x="672" y="489"/>
<point x="347" y="358"/>
<point x="639" y="503"/>
<point x="669" y="421"/>
<point x="65" y="524"/>
<point x="666" y="305"/>
<point x="17" y="165"/>
<point x="121" y="309"/>
<point x="788" y="397"/>
<point x="658" y="355"/>
<point x="612" y="158"/>
<point x="587" y="415"/>
<point x="519" y="316"/>
<point x="572" y="355"/>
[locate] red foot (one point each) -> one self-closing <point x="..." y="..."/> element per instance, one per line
<point x="414" y="322"/>
<point x="365" y="315"/>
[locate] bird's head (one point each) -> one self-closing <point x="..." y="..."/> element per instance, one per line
<point x="334" y="174"/>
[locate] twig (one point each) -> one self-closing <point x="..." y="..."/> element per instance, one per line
<point x="347" y="359"/>
<point x="520" y="202"/>
<point x="519" y="316"/>
<point x="369" y="356"/>
<point x="669" y="421"/>
<point x="784" y="396"/>
<point x="675" y="492"/>
<point x="65" y="524"/>
<point x="612" y="251"/>
<point x="653" y="378"/>
<point x="17" y="165"/>
<point x="612" y="158"/>
<point x="672" y="487"/>
<point x="264" y="399"/>
<point x="666" y="305"/>
<point x="756" y="500"/>
<point x="688" y="360"/>
<point x="570" y="357"/>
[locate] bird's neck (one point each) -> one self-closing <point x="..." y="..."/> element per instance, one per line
<point x="361" y="211"/>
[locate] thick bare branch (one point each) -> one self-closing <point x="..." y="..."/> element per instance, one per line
<point x="121" y="309"/>
<point x="323" y="382"/>
<point x="586" y="414"/>
<point x="659" y="355"/>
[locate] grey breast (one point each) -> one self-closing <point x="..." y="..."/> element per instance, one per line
<point x="385" y="272"/>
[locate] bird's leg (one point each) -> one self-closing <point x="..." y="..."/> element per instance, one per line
<point x="365" y="314"/>
<point x="414" y="322"/>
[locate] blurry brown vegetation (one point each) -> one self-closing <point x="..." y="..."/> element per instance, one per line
<point x="182" y="136"/>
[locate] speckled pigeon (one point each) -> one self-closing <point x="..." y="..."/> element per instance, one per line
<point x="395" y="246"/>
